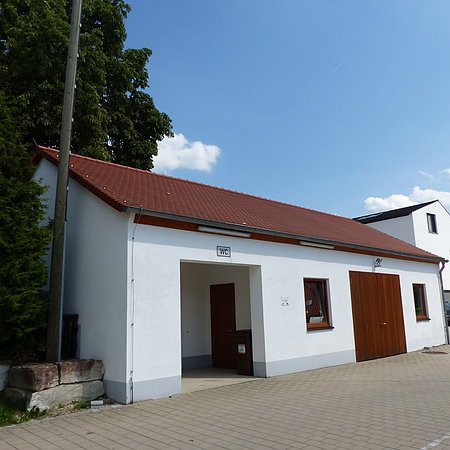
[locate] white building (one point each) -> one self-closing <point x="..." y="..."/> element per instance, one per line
<point x="426" y="225"/>
<point x="161" y="271"/>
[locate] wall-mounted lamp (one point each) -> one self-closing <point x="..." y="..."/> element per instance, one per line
<point x="377" y="262"/>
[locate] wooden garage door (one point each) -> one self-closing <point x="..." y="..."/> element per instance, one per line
<point x="377" y="315"/>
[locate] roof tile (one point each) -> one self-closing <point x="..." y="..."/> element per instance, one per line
<point x="122" y="186"/>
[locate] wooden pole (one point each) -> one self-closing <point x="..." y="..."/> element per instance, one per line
<point x="54" y="326"/>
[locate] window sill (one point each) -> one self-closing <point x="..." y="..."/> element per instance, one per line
<point x="320" y="327"/>
<point x="422" y="319"/>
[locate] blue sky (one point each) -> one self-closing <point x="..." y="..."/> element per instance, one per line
<point x="339" y="106"/>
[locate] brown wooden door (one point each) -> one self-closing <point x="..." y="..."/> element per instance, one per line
<point x="223" y="326"/>
<point x="377" y="315"/>
<point x="394" y="327"/>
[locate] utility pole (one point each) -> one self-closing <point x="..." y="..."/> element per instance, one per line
<point x="54" y="326"/>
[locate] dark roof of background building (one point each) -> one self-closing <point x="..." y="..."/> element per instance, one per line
<point x="134" y="190"/>
<point x="392" y="214"/>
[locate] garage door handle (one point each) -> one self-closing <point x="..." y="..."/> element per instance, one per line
<point x="383" y="323"/>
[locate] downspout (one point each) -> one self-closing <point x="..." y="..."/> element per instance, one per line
<point x="443" y="300"/>
<point x="132" y="308"/>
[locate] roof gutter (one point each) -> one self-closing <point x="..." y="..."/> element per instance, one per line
<point x="247" y="229"/>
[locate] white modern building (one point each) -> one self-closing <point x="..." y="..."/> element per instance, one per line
<point x="425" y="225"/>
<point x="162" y="271"/>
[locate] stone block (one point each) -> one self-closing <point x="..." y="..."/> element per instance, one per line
<point x="34" y="377"/>
<point x="18" y="397"/>
<point x="59" y="395"/>
<point x="80" y="370"/>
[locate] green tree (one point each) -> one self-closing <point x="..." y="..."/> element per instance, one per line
<point x="114" y="118"/>
<point x="23" y="243"/>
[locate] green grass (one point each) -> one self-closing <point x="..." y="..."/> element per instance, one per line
<point x="11" y="414"/>
<point x="77" y="406"/>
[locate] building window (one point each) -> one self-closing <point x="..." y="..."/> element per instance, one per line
<point x="419" y="301"/>
<point x="431" y="219"/>
<point x="316" y="303"/>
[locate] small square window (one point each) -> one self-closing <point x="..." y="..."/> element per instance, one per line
<point x="316" y="303"/>
<point x="419" y="301"/>
<point x="431" y="220"/>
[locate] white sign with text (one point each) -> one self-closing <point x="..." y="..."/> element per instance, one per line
<point x="224" y="251"/>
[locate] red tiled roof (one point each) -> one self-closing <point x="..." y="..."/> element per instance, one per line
<point x="123" y="187"/>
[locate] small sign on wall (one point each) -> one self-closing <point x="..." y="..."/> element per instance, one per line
<point x="241" y="349"/>
<point x="224" y="251"/>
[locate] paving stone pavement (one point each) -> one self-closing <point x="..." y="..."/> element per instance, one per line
<point x="401" y="402"/>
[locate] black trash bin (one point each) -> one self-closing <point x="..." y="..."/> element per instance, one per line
<point x="69" y="336"/>
<point x="243" y="342"/>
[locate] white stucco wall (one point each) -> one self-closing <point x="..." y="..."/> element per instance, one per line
<point x="414" y="229"/>
<point x="437" y="243"/>
<point x="95" y="284"/>
<point x="400" y="227"/>
<point x="280" y="339"/>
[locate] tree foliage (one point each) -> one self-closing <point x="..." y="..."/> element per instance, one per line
<point x="23" y="242"/>
<point x="114" y="118"/>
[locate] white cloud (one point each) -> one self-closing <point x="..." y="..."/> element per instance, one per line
<point x="426" y="174"/>
<point x="426" y="195"/>
<point x="394" y="201"/>
<point x="446" y="172"/>
<point x="417" y="195"/>
<point x="178" y="153"/>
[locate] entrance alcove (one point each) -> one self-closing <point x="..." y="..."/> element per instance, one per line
<point x="216" y="300"/>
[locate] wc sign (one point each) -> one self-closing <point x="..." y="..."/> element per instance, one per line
<point x="224" y="251"/>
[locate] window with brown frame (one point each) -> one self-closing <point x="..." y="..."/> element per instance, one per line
<point x="316" y="303"/>
<point x="419" y="301"/>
